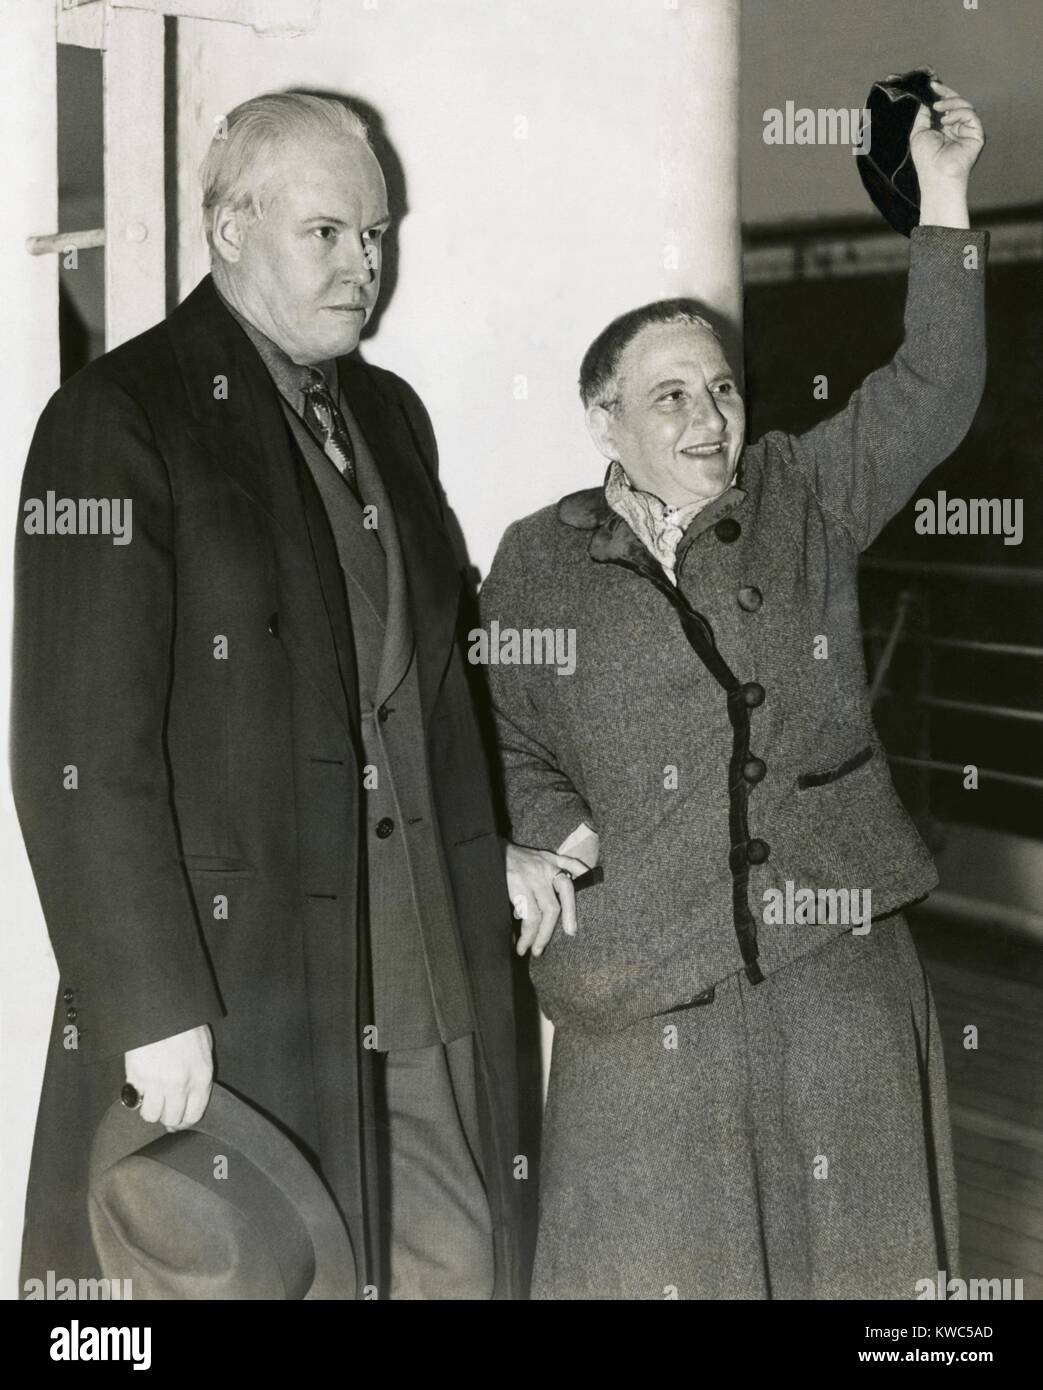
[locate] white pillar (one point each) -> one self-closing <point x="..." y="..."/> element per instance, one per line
<point x="29" y="207"/>
<point x="135" y="226"/>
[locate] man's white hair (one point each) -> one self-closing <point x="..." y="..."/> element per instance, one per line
<point x="246" y="142"/>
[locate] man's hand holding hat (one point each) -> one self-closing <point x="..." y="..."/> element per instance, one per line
<point x="173" y="1077"/>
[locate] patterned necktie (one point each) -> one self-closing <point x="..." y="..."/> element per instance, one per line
<point x="321" y="411"/>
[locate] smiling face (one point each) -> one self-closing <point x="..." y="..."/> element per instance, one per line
<point x="679" y="422"/>
<point x="307" y="272"/>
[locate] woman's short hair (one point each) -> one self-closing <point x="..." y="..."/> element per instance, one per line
<point x="599" y="370"/>
<point x="242" y="152"/>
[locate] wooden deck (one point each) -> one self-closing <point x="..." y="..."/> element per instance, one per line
<point x="993" y="980"/>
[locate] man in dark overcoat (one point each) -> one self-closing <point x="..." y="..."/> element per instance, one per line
<point x="245" y="758"/>
<point x="746" y="1099"/>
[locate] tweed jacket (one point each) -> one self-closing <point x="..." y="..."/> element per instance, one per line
<point x="719" y="746"/>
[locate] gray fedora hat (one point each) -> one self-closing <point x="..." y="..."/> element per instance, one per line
<point x="230" y="1209"/>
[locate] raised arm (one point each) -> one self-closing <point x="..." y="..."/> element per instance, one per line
<point x="865" y="462"/>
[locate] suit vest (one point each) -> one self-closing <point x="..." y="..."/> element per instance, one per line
<point x="419" y="988"/>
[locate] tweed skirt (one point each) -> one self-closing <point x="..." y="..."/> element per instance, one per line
<point x="789" y="1140"/>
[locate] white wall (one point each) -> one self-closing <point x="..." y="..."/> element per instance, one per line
<point x="515" y="252"/>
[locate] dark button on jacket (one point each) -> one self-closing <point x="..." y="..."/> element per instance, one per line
<point x="727" y="530"/>
<point x="750" y="599"/>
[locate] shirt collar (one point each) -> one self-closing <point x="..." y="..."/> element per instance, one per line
<point x="658" y="526"/>
<point x="290" y="377"/>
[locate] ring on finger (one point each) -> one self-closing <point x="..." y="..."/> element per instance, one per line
<point x="131" y="1097"/>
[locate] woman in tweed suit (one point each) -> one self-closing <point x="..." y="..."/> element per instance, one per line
<point x="739" y="1107"/>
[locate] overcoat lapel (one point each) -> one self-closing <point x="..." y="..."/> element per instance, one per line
<point x="239" y="423"/>
<point x="428" y="573"/>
